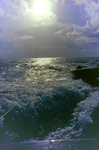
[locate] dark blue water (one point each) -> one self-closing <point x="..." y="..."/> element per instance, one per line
<point x="47" y="102"/>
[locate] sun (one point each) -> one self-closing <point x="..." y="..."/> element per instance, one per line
<point x="41" y="7"/>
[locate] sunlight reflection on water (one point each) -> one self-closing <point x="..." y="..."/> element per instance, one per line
<point x="43" y="61"/>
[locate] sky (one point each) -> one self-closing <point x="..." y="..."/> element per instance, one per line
<point x="49" y="28"/>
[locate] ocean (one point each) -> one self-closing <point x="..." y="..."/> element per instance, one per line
<point x="40" y="101"/>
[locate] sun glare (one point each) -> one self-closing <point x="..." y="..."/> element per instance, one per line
<point x="41" y="7"/>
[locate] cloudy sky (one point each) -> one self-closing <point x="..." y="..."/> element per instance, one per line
<point x="49" y="28"/>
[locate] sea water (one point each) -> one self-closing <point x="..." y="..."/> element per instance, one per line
<point x="40" y="100"/>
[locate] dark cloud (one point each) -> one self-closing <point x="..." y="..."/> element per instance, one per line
<point x="6" y="49"/>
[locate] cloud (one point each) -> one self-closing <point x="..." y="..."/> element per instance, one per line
<point x="92" y="10"/>
<point x="84" y="1"/>
<point x="13" y="17"/>
<point x="17" y="3"/>
<point x="83" y="40"/>
<point x="1" y="12"/>
<point x="87" y="31"/>
<point x="62" y="1"/>
<point x="26" y="37"/>
<point x="79" y="39"/>
<point x="15" y="7"/>
<point x="84" y="35"/>
<point x="65" y="27"/>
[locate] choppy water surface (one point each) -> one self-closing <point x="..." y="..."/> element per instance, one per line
<point x="49" y="103"/>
